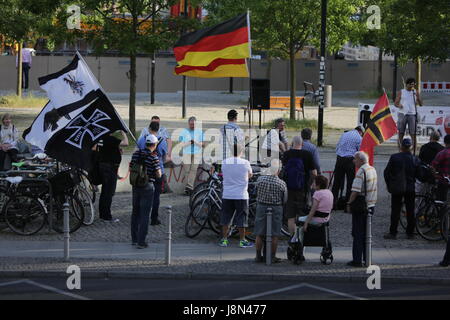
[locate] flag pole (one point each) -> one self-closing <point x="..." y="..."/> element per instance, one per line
<point x="101" y="88"/>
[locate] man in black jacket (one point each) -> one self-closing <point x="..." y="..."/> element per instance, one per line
<point x="400" y="176"/>
<point x="429" y="150"/>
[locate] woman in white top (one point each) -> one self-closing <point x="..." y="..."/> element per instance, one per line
<point x="8" y="140"/>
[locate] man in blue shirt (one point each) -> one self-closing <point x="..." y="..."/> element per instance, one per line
<point x="191" y="140"/>
<point x="161" y="152"/>
<point x="310" y="147"/>
<point x="347" y="146"/>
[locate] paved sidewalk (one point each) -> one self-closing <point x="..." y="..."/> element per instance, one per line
<point x="208" y="261"/>
<point x="200" y="251"/>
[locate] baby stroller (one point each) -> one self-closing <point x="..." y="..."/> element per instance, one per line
<point x="316" y="236"/>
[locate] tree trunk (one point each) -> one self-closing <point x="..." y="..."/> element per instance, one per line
<point x="132" y="111"/>
<point x="380" y="72"/>
<point x="292" y="60"/>
<point x="19" y="71"/>
<point x="419" y="74"/>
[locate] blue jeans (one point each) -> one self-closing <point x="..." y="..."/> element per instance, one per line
<point x="142" y="206"/>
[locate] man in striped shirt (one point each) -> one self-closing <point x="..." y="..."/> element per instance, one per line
<point x="143" y="196"/>
<point x="365" y="183"/>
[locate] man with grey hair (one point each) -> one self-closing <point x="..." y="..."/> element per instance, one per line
<point x="271" y="193"/>
<point x="365" y="183"/>
<point x="191" y="140"/>
<point x="298" y="168"/>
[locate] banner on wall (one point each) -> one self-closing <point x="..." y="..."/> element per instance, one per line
<point x="431" y="119"/>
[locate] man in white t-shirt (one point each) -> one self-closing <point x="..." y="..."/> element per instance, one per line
<point x="236" y="173"/>
<point x="407" y="101"/>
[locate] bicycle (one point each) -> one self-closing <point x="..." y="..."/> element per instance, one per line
<point x="431" y="215"/>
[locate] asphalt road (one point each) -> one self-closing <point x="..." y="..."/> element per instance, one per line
<point x="198" y="290"/>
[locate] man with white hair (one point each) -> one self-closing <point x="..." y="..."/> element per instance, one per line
<point x="271" y="192"/>
<point x="298" y="168"/>
<point x="365" y="184"/>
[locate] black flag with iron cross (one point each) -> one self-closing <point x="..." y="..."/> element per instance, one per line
<point x="73" y="143"/>
<point x="77" y="116"/>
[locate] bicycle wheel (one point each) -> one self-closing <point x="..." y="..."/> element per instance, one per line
<point x="198" y="193"/>
<point x="24" y="215"/>
<point x="88" y="186"/>
<point x="428" y="221"/>
<point x="76" y="214"/>
<point x="88" y="206"/>
<point x="197" y="219"/>
<point x="214" y="219"/>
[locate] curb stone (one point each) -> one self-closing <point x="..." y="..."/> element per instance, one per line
<point x="213" y="276"/>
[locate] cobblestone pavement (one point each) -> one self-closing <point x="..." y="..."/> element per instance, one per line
<point x="227" y="269"/>
<point x="120" y="232"/>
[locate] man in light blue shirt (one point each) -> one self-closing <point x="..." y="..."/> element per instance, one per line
<point x="191" y="140"/>
<point x="346" y="148"/>
<point x="161" y="151"/>
<point x="310" y="147"/>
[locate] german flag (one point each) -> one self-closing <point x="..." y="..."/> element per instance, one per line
<point x="217" y="51"/>
<point x="380" y="128"/>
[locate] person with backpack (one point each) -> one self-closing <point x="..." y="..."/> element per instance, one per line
<point x="161" y="151"/>
<point x="144" y="170"/>
<point x="400" y="177"/>
<point x="361" y="204"/>
<point x="298" y="169"/>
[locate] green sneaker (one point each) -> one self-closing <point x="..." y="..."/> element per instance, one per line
<point x="245" y="244"/>
<point x="224" y="243"/>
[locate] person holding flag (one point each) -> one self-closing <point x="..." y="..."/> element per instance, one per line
<point x="380" y="127"/>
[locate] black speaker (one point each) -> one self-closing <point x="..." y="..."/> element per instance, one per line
<point x="260" y="94"/>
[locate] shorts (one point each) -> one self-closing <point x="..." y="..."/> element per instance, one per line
<point x="261" y="219"/>
<point x="295" y="204"/>
<point x="408" y="119"/>
<point x="229" y="206"/>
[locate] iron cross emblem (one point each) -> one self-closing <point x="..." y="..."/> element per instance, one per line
<point x="90" y="127"/>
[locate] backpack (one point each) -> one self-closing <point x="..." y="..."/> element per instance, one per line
<point x="138" y="172"/>
<point x="294" y="174"/>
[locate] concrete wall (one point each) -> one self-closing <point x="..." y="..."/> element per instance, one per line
<point x="112" y="74"/>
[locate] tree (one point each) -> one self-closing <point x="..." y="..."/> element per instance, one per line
<point x="127" y="26"/>
<point x="21" y="20"/>
<point x="418" y="31"/>
<point x="284" y="27"/>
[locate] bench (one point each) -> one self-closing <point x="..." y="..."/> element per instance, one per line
<point x="310" y="91"/>
<point x="283" y="103"/>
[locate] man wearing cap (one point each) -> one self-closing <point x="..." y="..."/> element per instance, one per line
<point x="232" y="135"/>
<point x="400" y="177"/>
<point x="346" y="148"/>
<point x="143" y="196"/>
